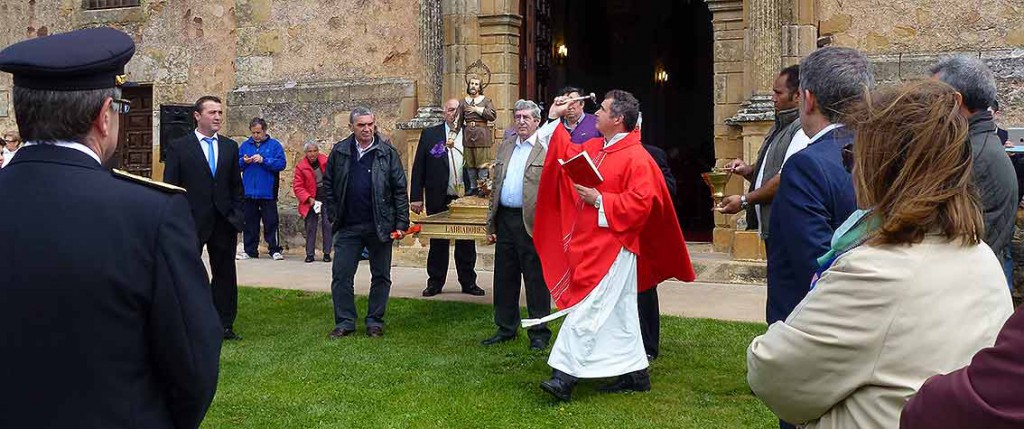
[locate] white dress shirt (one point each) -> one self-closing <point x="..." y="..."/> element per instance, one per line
<point x="455" y="161"/>
<point x="512" y="185"/>
<point x="206" y="147"/>
<point x="70" y="144"/>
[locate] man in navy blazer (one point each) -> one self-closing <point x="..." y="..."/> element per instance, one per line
<point x="815" y="194"/>
<point x="206" y="164"/>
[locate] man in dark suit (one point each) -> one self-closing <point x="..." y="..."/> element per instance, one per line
<point x="520" y="160"/>
<point x="647" y="301"/>
<point x="104" y="315"/>
<point x="437" y="169"/>
<point x="815" y="194"/>
<point x="205" y="163"/>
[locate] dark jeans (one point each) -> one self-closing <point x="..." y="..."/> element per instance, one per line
<point x="650" y="320"/>
<point x="516" y="259"/>
<point x="313" y="221"/>
<point x="224" y="279"/>
<point x="348" y="244"/>
<point x="254" y="211"/>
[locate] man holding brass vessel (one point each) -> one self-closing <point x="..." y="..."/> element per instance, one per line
<point x="785" y="134"/>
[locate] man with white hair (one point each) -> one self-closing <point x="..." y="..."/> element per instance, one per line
<point x="994" y="177"/>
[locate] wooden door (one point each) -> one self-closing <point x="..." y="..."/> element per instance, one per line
<point x="135" y="141"/>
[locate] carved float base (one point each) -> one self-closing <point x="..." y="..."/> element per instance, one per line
<point x="466" y="219"/>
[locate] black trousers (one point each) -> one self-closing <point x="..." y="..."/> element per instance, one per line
<point x="437" y="262"/>
<point x="224" y="280"/>
<point x="650" y="320"/>
<point x="348" y="245"/>
<point x="515" y="260"/>
<point x="256" y="210"/>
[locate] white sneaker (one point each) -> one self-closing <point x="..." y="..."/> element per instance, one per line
<point x="277" y="256"/>
<point x="241" y="256"/>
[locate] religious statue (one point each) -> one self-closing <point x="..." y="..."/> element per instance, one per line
<point x="476" y="112"/>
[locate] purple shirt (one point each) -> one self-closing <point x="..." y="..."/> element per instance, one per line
<point x="586" y="130"/>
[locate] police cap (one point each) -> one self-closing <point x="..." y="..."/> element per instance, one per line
<point x="79" y="60"/>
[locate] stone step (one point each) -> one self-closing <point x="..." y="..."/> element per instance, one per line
<point x="710" y="266"/>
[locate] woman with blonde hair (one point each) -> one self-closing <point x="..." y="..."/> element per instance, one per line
<point x="907" y="291"/>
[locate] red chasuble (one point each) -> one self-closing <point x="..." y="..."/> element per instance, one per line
<point x="575" y="252"/>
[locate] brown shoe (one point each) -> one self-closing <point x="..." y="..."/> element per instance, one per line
<point x="375" y="331"/>
<point x="340" y="332"/>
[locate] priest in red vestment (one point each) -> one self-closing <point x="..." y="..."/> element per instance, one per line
<point x="600" y="246"/>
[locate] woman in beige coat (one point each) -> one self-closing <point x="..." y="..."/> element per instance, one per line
<point x="907" y="291"/>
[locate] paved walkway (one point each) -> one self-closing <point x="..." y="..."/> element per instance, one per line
<point x="707" y="300"/>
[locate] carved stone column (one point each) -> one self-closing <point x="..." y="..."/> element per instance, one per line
<point x="431" y="47"/>
<point x="764" y="43"/>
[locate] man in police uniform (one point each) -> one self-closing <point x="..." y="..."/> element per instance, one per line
<point x="106" y="319"/>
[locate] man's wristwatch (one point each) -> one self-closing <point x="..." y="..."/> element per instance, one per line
<point x="597" y="203"/>
<point x="743" y="202"/>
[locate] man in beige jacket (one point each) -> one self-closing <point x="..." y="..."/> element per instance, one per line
<point x="517" y="171"/>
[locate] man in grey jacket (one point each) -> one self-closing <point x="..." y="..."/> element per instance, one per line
<point x="777" y="147"/>
<point x="368" y="206"/>
<point x="994" y="177"/>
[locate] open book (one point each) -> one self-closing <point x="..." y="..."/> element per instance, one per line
<point x="582" y="171"/>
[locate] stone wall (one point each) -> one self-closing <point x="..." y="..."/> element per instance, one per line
<point x="904" y="38"/>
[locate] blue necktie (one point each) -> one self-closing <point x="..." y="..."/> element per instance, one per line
<point x="210" y="159"/>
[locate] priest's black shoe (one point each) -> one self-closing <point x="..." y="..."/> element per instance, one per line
<point x="498" y="338"/>
<point x="538" y="344"/>
<point x="474" y="290"/>
<point x="309" y="259"/>
<point x="431" y="291"/>
<point x="231" y="335"/>
<point x="327" y="257"/>
<point x="636" y="381"/>
<point x="558" y="388"/>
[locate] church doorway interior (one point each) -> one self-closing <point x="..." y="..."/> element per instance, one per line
<point x="135" y="138"/>
<point x="662" y="53"/>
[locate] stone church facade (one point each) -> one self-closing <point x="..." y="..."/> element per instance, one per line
<point x="303" y="64"/>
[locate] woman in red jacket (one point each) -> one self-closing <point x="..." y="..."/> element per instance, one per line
<point x="308" y="185"/>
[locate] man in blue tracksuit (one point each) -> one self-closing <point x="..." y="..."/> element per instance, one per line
<point x="260" y="158"/>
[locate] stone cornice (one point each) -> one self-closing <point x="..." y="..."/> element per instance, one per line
<point x="724" y="5"/>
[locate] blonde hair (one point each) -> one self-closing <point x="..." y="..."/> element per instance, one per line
<point x="912" y="164"/>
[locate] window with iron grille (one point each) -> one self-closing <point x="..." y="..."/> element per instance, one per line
<point x="108" y="4"/>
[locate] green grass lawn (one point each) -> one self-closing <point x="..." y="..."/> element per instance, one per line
<point x="429" y="371"/>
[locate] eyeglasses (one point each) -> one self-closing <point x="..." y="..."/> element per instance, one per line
<point x="523" y="118"/>
<point x="121" y="106"/>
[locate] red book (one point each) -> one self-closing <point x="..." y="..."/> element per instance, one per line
<point x="582" y="171"/>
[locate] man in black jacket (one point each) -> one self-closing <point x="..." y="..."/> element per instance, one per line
<point x="206" y="164"/>
<point x="994" y="177"/>
<point x="367" y="205"/>
<point x="105" y="317"/>
<point x="437" y="169"/>
<point x="647" y="301"/>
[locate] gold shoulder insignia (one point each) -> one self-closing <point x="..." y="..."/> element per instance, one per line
<point x="166" y="187"/>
